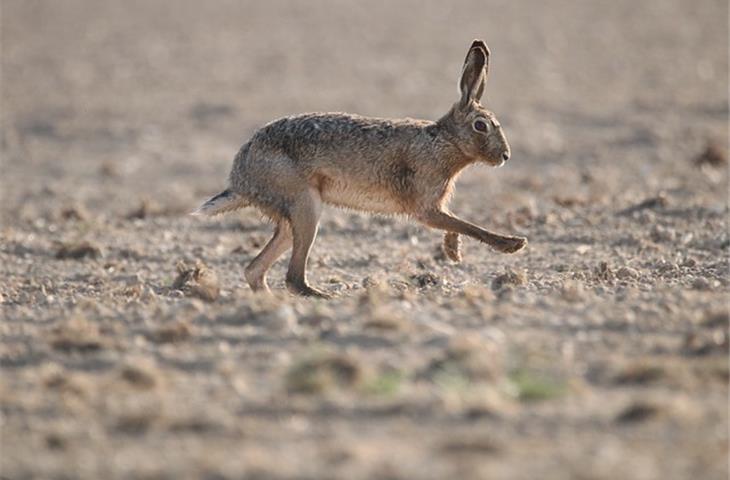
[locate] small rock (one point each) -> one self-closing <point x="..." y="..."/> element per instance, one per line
<point x="370" y="282"/>
<point x="427" y="279"/>
<point x="509" y="278"/>
<point x="701" y="283"/>
<point x="665" y="267"/>
<point x="689" y="263"/>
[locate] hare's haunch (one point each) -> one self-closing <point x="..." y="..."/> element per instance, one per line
<point x="293" y="165"/>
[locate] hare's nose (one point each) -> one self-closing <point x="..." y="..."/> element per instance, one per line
<point x="505" y="156"/>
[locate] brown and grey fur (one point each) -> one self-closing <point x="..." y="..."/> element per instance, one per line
<point x="293" y="165"/>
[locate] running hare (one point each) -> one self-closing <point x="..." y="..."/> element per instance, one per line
<point x="291" y="166"/>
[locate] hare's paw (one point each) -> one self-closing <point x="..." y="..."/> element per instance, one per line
<point x="299" y="288"/>
<point x="452" y="247"/>
<point x="510" y="244"/>
<point x="256" y="280"/>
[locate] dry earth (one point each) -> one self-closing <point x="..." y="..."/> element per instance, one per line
<point x="132" y="348"/>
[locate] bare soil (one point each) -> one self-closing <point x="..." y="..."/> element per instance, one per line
<point x="131" y="346"/>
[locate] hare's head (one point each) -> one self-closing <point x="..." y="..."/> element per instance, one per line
<point x="476" y="130"/>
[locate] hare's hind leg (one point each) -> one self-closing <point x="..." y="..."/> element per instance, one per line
<point x="452" y="246"/>
<point x="304" y="220"/>
<point x="278" y="244"/>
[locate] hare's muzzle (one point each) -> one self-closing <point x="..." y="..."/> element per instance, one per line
<point x="504" y="157"/>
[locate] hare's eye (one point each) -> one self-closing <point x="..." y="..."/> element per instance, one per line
<point x="480" y="126"/>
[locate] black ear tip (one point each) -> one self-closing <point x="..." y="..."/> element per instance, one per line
<point x="480" y="44"/>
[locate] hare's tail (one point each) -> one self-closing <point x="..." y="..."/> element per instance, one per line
<point x="226" y="201"/>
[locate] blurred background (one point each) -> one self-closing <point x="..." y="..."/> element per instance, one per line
<point x="599" y="352"/>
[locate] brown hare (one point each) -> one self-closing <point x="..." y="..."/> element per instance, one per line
<point x="291" y="166"/>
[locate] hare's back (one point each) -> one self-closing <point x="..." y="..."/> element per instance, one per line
<point x="317" y="135"/>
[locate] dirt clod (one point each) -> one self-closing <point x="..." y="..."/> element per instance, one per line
<point x="55" y="441"/>
<point x="640" y="374"/>
<point x="465" y="359"/>
<point x="471" y="446"/>
<point x="323" y="371"/>
<point x="426" y="279"/>
<point x="626" y="273"/>
<point x="78" y="250"/>
<point x="572" y="291"/>
<point x="74" y="212"/>
<point x="197" y="280"/>
<point x="700" y="344"/>
<point x="509" y="278"/>
<point x="77" y="334"/>
<point x="658" y="201"/>
<point x="602" y="272"/>
<point x="171" y="332"/>
<point x="713" y="155"/>
<point x="385" y="319"/>
<point x="701" y="283"/>
<point x="139" y="376"/>
<point x="717" y="319"/>
<point x="146" y="209"/>
<point x="638" y="412"/>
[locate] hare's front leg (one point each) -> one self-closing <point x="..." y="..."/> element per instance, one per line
<point x="304" y="220"/>
<point x="445" y="221"/>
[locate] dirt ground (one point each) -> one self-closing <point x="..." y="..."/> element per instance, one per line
<point x="132" y="348"/>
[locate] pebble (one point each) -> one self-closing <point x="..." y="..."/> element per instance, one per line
<point x="701" y="283"/>
<point x="625" y="273"/>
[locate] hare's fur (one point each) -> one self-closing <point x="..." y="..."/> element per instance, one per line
<point x="293" y="165"/>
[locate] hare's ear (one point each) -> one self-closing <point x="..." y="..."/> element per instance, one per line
<point x="474" y="74"/>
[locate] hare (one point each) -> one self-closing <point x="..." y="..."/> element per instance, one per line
<point x="291" y="166"/>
